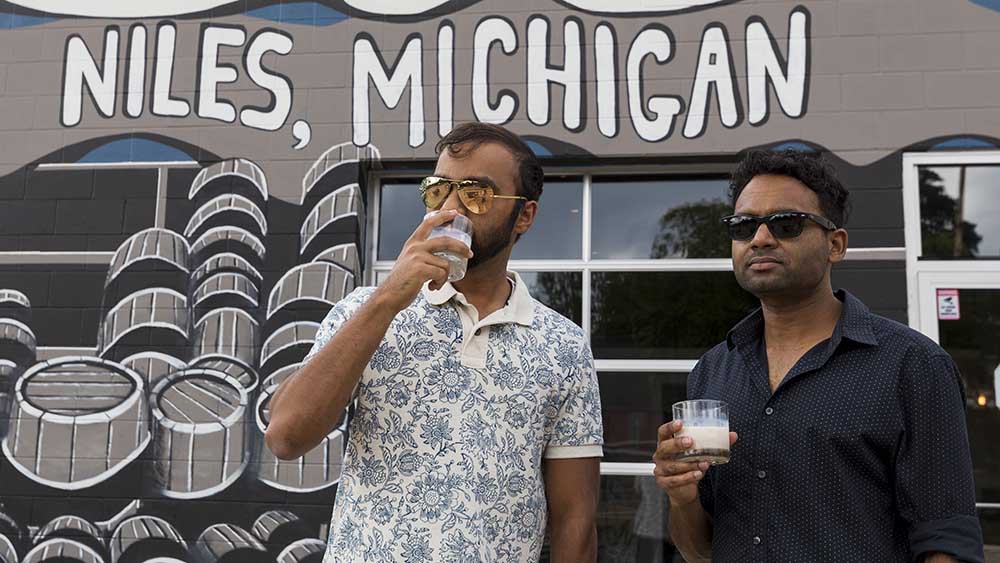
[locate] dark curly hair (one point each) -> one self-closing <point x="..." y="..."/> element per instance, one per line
<point x="809" y="168"/>
<point x="471" y="135"/>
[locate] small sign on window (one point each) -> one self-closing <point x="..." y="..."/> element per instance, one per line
<point x="947" y="301"/>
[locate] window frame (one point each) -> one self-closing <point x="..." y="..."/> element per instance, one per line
<point x="706" y="168"/>
<point x="919" y="271"/>
<point x="924" y="277"/>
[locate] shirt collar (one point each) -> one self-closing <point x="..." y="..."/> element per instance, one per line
<point x="855" y="323"/>
<point x="520" y="307"/>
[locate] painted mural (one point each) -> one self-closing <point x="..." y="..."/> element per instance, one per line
<point x="183" y="196"/>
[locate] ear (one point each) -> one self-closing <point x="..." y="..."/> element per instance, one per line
<point x="526" y="217"/>
<point x="838" y="245"/>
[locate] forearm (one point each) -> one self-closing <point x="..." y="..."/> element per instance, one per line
<point x="573" y="541"/>
<point x="307" y="405"/>
<point x="691" y="531"/>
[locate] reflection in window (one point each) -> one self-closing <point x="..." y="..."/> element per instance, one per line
<point x="631" y="522"/>
<point x="558" y="229"/>
<point x="989" y="519"/>
<point x="659" y="218"/>
<point x="972" y="342"/>
<point x="963" y="196"/>
<point x="560" y="291"/>
<point x="400" y="211"/>
<point x="634" y="405"/>
<point x="665" y="315"/>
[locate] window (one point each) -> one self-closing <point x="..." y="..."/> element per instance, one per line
<point x="959" y="212"/>
<point x="951" y="207"/>
<point x="649" y="217"/>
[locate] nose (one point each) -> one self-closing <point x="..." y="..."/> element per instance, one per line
<point x="763" y="238"/>
<point x="453" y="202"/>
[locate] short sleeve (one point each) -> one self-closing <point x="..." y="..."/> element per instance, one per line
<point x="578" y="430"/>
<point x="935" y="493"/>
<point x="338" y="315"/>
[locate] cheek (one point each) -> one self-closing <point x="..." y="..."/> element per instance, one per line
<point x="738" y="251"/>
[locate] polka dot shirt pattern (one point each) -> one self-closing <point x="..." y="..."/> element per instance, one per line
<point x="860" y="454"/>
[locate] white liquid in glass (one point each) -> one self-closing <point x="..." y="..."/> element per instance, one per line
<point x="711" y="444"/>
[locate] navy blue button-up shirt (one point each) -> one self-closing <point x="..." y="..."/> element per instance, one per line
<point x="860" y="454"/>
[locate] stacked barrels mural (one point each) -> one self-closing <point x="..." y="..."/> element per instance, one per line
<point x="152" y="448"/>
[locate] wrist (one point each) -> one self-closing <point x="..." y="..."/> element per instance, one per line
<point x="384" y="300"/>
<point x="691" y="504"/>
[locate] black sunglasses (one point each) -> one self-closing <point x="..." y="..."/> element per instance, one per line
<point x="783" y="224"/>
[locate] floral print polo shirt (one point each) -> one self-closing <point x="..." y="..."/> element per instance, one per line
<point x="454" y="416"/>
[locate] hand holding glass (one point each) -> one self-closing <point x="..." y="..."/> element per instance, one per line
<point x="460" y="229"/>
<point x="706" y="422"/>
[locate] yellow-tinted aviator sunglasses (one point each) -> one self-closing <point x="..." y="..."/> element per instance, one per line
<point x="474" y="195"/>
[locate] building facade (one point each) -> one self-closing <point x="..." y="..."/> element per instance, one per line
<point x="186" y="188"/>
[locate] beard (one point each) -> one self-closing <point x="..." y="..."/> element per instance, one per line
<point x="786" y="282"/>
<point x="485" y="246"/>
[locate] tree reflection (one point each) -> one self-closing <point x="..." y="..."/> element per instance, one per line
<point x="693" y="230"/>
<point x="561" y="292"/>
<point x="671" y="314"/>
<point x="664" y="314"/>
<point x="939" y="213"/>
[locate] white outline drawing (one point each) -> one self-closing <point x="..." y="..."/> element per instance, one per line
<point x="241" y="167"/>
<point x="130" y="411"/>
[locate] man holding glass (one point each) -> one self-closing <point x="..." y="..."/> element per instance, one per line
<point x="478" y="416"/>
<point x="851" y="442"/>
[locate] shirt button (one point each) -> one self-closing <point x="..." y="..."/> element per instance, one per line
<point x="761" y="474"/>
<point x="768" y="411"/>
<point x="756" y="540"/>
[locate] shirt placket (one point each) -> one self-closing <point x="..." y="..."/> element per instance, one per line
<point x="476" y="335"/>
<point x="761" y="499"/>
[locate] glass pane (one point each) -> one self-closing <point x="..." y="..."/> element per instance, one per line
<point x="400" y="211"/>
<point x="659" y="218"/>
<point x="960" y="195"/>
<point x="989" y="519"/>
<point x="972" y="341"/>
<point x="664" y="315"/>
<point x="634" y="405"/>
<point x="631" y="522"/>
<point x="561" y="291"/>
<point x="558" y="229"/>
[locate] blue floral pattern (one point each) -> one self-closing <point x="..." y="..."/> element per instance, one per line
<point x="443" y="460"/>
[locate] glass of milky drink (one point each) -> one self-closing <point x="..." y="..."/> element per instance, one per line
<point x="460" y="229"/>
<point x="706" y="422"/>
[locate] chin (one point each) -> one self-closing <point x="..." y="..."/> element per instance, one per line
<point x="760" y="287"/>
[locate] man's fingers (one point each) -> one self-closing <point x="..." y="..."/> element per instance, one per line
<point x="667" y="449"/>
<point x="431" y="220"/>
<point x="674" y="481"/>
<point x="665" y="431"/>
<point x="438" y="263"/>
<point x="678" y="467"/>
<point x="436" y="272"/>
<point x="733" y="436"/>
<point x="446" y="244"/>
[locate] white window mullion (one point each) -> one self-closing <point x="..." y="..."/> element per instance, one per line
<point x="375" y="187"/>
<point x="585" y="295"/>
<point x="626" y="469"/>
<point x="669" y="366"/>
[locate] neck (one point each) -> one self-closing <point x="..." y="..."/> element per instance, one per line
<point x="485" y="287"/>
<point x="797" y="319"/>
